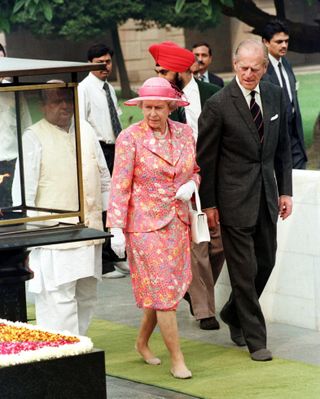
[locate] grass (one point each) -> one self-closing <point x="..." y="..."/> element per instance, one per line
<point x="129" y="114"/>
<point x="309" y="100"/>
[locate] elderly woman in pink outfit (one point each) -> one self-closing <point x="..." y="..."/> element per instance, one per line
<point x="155" y="175"/>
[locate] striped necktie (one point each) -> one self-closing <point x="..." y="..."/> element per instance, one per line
<point x="116" y="126"/>
<point x="256" y="115"/>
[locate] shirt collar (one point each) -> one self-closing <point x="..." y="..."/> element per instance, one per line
<point x="274" y="61"/>
<point x="245" y="91"/>
<point x="206" y="75"/>
<point x="97" y="81"/>
<point x="191" y="86"/>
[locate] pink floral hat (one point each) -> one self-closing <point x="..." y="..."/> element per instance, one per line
<point x="158" y="89"/>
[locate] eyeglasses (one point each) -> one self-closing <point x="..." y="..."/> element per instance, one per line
<point x="163" y="72"/>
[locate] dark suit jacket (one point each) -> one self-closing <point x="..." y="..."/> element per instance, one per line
<point x="215" y="79"/>
<point x="271" y="76"/>
<point x="234" y="164"/>
<point x="206" y="90"/>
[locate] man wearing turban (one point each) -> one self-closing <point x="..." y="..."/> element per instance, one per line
<point x="174" y="64"/>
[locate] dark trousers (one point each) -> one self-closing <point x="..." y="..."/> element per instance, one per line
<point x="299" y="159"/>
<point x="207" y="259"/>
<point x="250" y="255"/>
<point x="109" y="258"/>
<point x="108" y="152"/>
<point x="6" y="186"/>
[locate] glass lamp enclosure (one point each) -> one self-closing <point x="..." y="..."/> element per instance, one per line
<point x="22" y="120"/>
<point x="32" y="114"/>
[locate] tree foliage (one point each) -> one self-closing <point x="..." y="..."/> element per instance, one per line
<point x="304" y="38"/>
<point x="86" y="18"/>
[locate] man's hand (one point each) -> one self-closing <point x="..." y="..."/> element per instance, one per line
<point x="2" y="177"/>
<point x="285" y="206"/>
<point x="213" y="217"/>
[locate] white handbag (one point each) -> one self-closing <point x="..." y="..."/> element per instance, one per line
<point x="199" y="224"/>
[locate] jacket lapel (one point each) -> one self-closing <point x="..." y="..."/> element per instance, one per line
<point x="242" y="106"/>
<point x="176" y="138"/>
<point x="290" y="76"/>
<point x="266" y="108"/>
<point x="272" y="73"/>
<point x="201" y="93"/>
<point x="178" y="141"/>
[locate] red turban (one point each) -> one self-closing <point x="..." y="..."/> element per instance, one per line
<point x="171" y="56"/>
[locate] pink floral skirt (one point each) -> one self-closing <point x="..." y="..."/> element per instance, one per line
<point x="160" y="265"/>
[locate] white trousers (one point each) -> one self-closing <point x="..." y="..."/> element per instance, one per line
<point x="69" y="307"/>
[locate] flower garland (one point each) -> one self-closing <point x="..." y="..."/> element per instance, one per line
<point x="23" y="343"/>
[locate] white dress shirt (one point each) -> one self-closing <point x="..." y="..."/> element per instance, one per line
<point x="206" y="77"/>
<point x="193" y="110"/>
<point x="247" y="96"/>
<point x="93" y="107"/>
<point x="275" y="65"/>
<point x="8" y="124"/>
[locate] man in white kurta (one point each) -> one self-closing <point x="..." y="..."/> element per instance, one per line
<point x="65" y="275"/>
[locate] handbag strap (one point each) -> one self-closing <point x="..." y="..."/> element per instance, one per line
<point x="198" y="203"/>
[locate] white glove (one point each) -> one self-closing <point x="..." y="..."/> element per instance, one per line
<point x="118" y="242"/>
<point x="185" y="191"/>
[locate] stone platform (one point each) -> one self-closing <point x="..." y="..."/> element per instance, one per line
<point x="70" y="377"/>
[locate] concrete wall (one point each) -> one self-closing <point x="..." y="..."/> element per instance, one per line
<point x="135" y="44"/>
<point x="22" y="44"/>
<point x="219" y="39"/>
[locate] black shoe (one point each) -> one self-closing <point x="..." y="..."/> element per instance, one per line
<point x="261" y="355"/>
<point x="211" y="323"/>
<point x="235" y="332"/>
<point x="188" y="299"/>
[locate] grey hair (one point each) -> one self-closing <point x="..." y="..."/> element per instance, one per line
<point x="252" y="44"/>
<point x="171" y="104"/>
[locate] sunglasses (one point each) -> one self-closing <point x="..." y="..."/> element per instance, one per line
<point x="163" y="72"/>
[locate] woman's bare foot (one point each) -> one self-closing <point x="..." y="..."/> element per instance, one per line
<point x="147" y="355"/>
<point x="181" y="372"/>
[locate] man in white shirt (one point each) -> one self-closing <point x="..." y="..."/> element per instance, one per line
<point x="65" y="275"/>
<point x="93" y="101"/>
<point x="99" y="107"/>
<point x="8" y="137"/>
<point x="173" y="63"/>
<point x="276" y="38"/>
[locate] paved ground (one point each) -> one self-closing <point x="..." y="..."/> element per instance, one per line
<point x="116" y="303"/>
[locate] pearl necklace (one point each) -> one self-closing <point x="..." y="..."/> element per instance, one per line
<point x="159" y="135"/>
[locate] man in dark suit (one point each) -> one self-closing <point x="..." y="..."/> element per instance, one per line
<point x="203" y="53"/>
<point x="276" y="38"/>
<point x="173" y="63"/>
<point x="244" y="154"/>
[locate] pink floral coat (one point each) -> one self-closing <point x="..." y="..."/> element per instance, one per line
<point x="146" y="177"/>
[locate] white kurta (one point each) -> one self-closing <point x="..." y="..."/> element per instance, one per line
<point x="64" y="278"/>
<point x="53" y="267"/>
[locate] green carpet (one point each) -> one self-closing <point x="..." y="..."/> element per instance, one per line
<point x="218" y="372"/>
